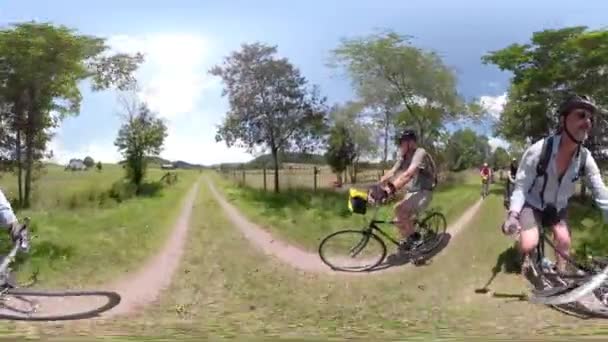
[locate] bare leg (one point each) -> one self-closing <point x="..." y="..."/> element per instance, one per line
<point x="561" y="236"/>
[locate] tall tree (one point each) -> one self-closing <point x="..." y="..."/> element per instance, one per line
<point x="500" y="158"/>
<point x="270" y="104"/>
<point x="340" y="149"/>
<point x="41" y="66"/>
<point x="417" y="79"/>
<point x="361" y="132"/>
<point x="466" y="149"/>
<point x="140" y="137"/>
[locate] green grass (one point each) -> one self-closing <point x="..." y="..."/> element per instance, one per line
<point x="80" y="242"/>
<point x="228" y="288"/>
<point x="304" y="217"/>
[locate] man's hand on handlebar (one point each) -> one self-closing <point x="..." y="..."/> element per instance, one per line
<point x="511" y="224"/>
<point x="380" y="193"/>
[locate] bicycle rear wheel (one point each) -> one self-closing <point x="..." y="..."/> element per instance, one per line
<point x="40" y="305"/>
<point x="431" y="228"/>
<point x="339" y="250"/>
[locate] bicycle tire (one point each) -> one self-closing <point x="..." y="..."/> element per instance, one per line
<point x="366" y="236"/>
<point x="113" y="300"/>
<point x="433" y="242"/>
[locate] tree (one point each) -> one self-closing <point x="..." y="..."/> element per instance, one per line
<point x="340" y="150"/>
<point x="99" y="166"/>
<point x="500" y="158"/>
<point x="270" y="105"/>
<point x="555" y="63"/>
<point x="388" y="68"/>
<point x="140" y="137"/>
<point x="41" y="66"/>
<point x="466" y="149"/>
<point x="88" y="162"/>
<point x="360" y="130"/>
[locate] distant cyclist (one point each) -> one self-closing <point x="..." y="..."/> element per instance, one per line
<point x="485" y="174"/>
<point x="510" y="181"/>
<point x="414" y="172"/>
<point x="541" y="193"/>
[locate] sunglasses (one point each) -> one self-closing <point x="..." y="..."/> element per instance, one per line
<point x="583" y="114"/>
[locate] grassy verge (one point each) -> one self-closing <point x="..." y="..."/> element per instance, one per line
<point x="227" y="288"/>
<point x="80" y="241"/>
<point x="304" y="217"/>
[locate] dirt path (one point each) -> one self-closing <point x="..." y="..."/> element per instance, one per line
<point x="297" y="257"/>
<point x="136" y="289"/>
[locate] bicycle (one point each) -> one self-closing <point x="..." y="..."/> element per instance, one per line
<point x="26" y="309"/>
<point x="485" y="186"/>
<point x="565" y="292"/>
<point x="429" y="236"/>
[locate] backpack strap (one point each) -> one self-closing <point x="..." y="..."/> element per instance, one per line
<point x="541" y="167"/>
<point x="581" y="170"/>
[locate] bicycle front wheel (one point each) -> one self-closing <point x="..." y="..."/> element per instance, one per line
<point x="352" y="250"/>
<point x="40" y="305"/>
<point x="431" y="228"/>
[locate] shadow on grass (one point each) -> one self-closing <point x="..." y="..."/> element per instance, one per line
<point x="294" y="199"/>
<point x="151" y="189"/>
<point x="414" y="258"/>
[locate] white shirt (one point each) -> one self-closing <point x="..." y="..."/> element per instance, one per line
<point x="556" y="193"/>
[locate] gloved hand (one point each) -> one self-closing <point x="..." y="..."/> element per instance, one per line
<point x="18" y="232"/>
<point x="380" y="193"/>
<point x="377" y="194"/>
<point x="511" y="224"/>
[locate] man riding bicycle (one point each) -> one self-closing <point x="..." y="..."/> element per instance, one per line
<point x="541" y="193"/>
<point x="416" y="169"/>
<point x="510" y="181"/>
<point x="485" y="178"/>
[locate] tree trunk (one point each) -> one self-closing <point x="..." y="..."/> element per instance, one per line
<point x="29" y="155"/>
<point x="19" y="167"/>
<point x="275" y="157"/>
<point x="386" y="129"/>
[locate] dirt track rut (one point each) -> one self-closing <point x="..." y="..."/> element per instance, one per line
<point x="297" y="257"/>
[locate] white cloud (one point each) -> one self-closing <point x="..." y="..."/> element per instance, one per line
<point x="496" y="142"/>
<point x="174" y="75"/>
<point x="174" y="81"/>
<point x="493" y="104"/>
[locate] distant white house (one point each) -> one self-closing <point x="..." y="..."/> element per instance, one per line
<point x="167" y="166"/>
<point x="76" y="165"/>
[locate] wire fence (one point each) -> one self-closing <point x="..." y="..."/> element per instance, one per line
<point x="302" y="177"/>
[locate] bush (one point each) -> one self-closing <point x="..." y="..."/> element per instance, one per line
<point x="122" y="190"/>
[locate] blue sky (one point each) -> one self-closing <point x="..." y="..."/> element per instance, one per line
<point x="183" y="39"/>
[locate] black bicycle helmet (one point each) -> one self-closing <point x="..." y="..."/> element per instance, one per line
<point x="407" y="134"/>
<point x="576" y="102"/>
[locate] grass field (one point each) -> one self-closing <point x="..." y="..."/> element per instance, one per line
<point x="227" y="288"/>
<point x="77" y="226"/>
<point x="304" y="217"/>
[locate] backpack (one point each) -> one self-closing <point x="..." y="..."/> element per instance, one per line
<point x="543" y="162"/>
<point x="432" y="171"/>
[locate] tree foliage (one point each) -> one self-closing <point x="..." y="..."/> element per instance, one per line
<point x="500" y="158"/>
<point x="466" y="149"/>
<point x="388" y="71"/>
<point x="271" y="105"/>
<point x="88" y="161"/>
<point x="340" y="149"/>
<point x="554" y="64"/>
<point x="141" y="136"/>
<point x="41" y="67"/>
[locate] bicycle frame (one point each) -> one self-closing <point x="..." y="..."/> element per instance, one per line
<point x="373" y="225"/>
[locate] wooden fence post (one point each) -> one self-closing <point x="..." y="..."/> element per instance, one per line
<point x="315" y="171"/>
<point x="264" y="173"/>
